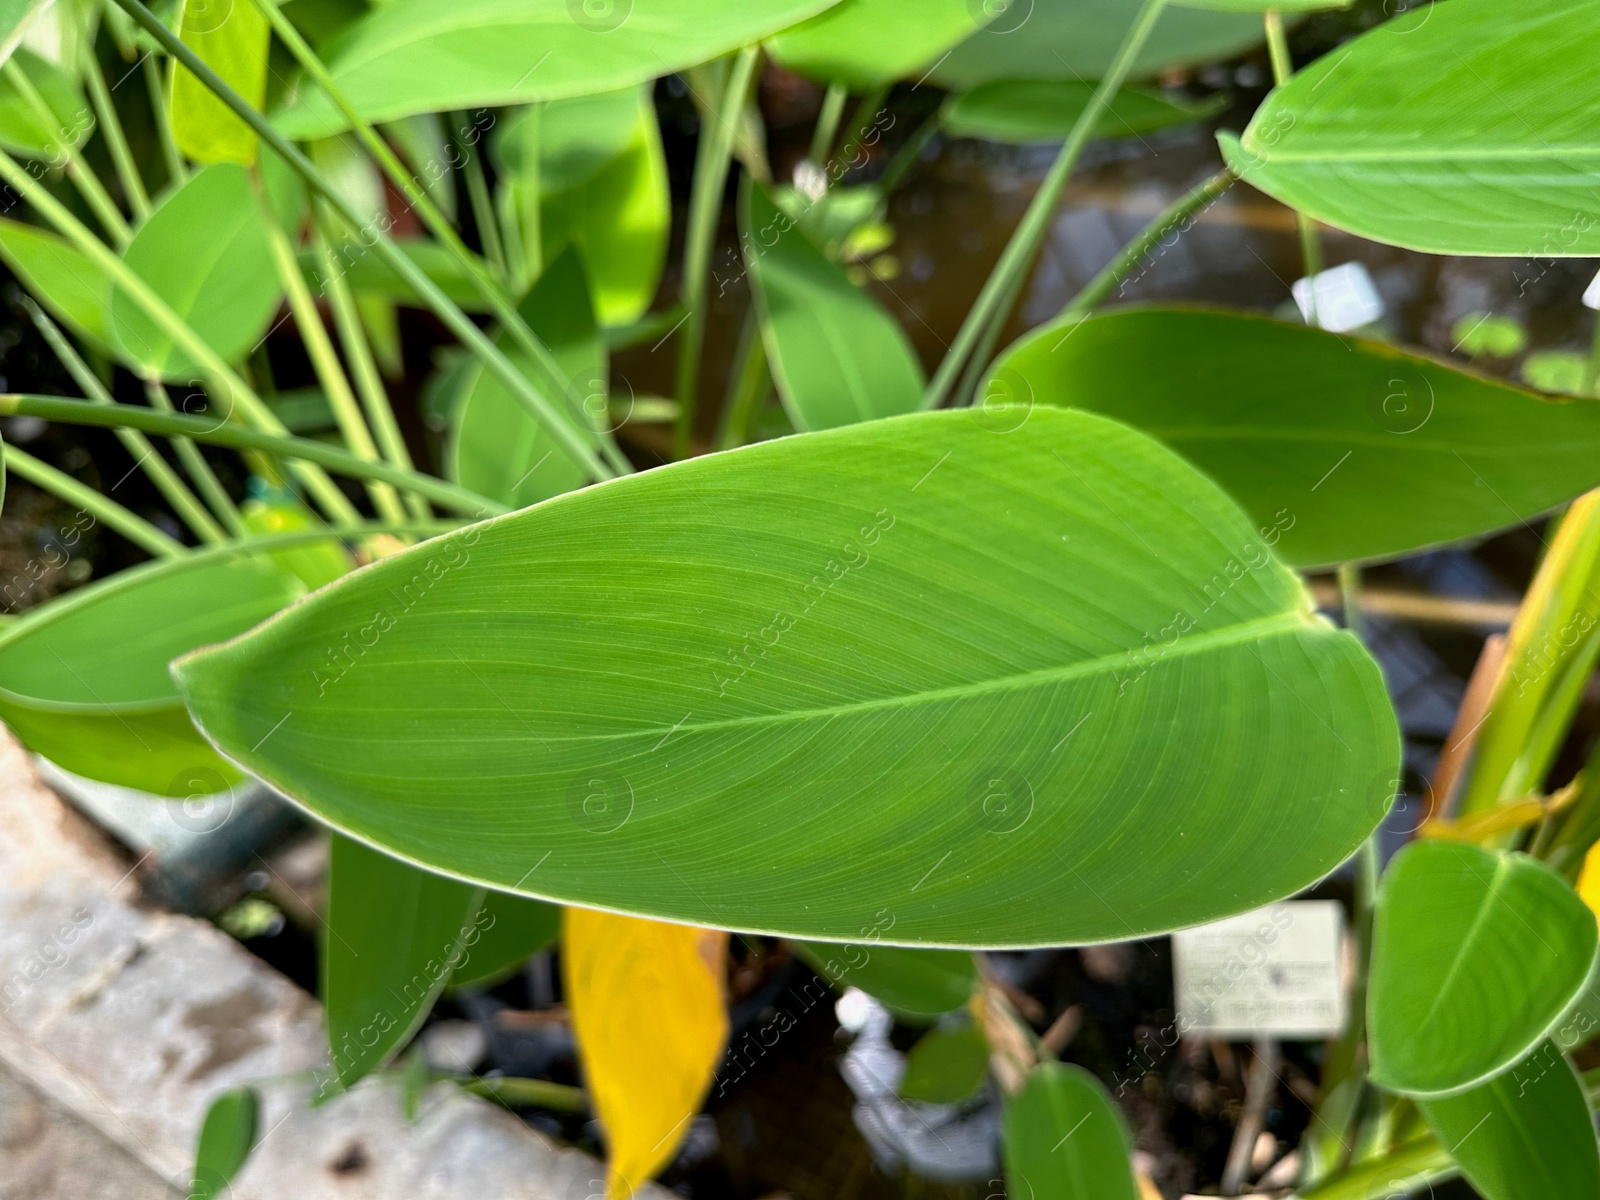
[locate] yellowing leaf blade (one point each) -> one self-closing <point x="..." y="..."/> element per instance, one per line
<point x="230" y="37"/>
<point x="650" y="1018"/>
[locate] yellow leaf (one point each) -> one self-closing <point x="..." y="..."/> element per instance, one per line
<point x="1589" y="879"/>
<point x="650" y="1018"/>
<point x="230" y="37"/>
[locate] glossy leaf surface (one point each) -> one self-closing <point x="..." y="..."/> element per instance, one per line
<point x="836" y="355"/>
<point x="650" y="1017"/>
<point x="915" y="984"/>
<point x="204" y="251"/>
<point x="865" y="42"/>
<point x="84" y="682"/>
<point x="507" y="931"/>
<point x="227" y="1136"/>
<point x="60" y="276"/>
<point x="1525" y="1135"/>
<point x="918" y="668"/>
<point x="394" y="934"/>
<point x="1063" y="1139"/>
<point x="1026" y="110"/>
<point x="1451" y="129"/>
<point x="1348" y="448"/>
<point x="231" y="38"/>
<point x="1476" y="955"/>
<point x="428" y="55"/>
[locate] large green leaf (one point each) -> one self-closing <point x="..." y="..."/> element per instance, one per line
<point x="1476" y="956"/>
<point x="227" y="1136"/>
<point x="865" y="42"/>
<point x="205" y="252"/>
<point x="1525" y="1135"/>
<point x="1062" y="1138"/>
<point x="1028" y="110"/>
<point x="1453" y="129"/>
<point x="915" y="984"/>
<point x="821" y="682"/>
<point x="231" y="38"/>
<point x="1077" y="39"/>
<point x="60" y="276"/>
<point x="84" y="682"/>
<point x="394" y="935"/>
<point x="507" y="931"/>
<point x="23" y="128"/>
<point x="1349" y="449"/>
<point x="496" y="447"/>
<point x="427" y="55"/>
<point x="836" y="356"/>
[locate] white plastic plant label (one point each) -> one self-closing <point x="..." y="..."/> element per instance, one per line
<point x="1339" y="299"/>
<point x="1274" y="972"/>
<point x="1591" y="294"/>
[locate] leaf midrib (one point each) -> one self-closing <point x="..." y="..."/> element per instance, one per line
<point x="1501" y="869"/>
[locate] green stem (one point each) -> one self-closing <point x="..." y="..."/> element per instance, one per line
<point x="526" y="1093"/>
<point x="1349" y="576"/>
<point x="116" y="138"/>
<point x="202" y="429"/>
<point x="908" y="155"/>
<point x="194" y="462"/>
<point x="713" y="158"/>
<point x="482" y="207"/>
<point x="86" y="181"/>
<point x="1591" y="369"/>
<point x="221" y="379"/>
<point x="166" y="480"/>
<point x="1413" y="1166"/>
<point x="828" y="123"/>
<point x="1282" y="69"/>
<point x="1017" y="258"/>
<point x="170" y="153"/>
<point x="750" y="383"/>
<point x="135" y="528"/>
<point x="561" y="427"/>
<point x="368" y="379"/>
<point x="866" y="115"/>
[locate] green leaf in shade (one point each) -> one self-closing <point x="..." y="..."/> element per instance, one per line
<point x="370" y="276"/>
<point x="507" y="931"/>
<point x="15" y="17"/>
<point x="496" y="447"/>
<point x="1346" y="449"/>
<point x="1045" y="110"/>
<point x="314" y="563"/>
<point x="395" y="932"/>
<point x="1261" y="6"/>
<point x="1476" y="956"/>
<point x="860" y="43"/>
<point x="227" y="1136"/>
<point x="731" y="692"/>
<point x="836" y="355"/>
<point x="61" y="277"/>
<point x="428" y="55"/>
<point x="1525" y="1135"/>
<point x="84" y="682"/>
<point x="947" y="1065"/>
<point x="1452" y="129"/>
<point x="231" y="38"/>
<point x="204" y="251"/>
<point x="1078" y="39"/>
<point x="1062" y="1138"/>
<point x="915" y="984"/>
<point x="23" y="130"/>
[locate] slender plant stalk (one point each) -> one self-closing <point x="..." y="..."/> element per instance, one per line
<point x="907" y="156"/>
<point x="194" y="462"/>
<point x="561" y="427"/>
<point x="828" y="123"/>
<point x="368" y="379"/>
<point x="165" y="479"/>
<point x="86" y="181"/>
<point x="524" y="1093"/>
<point x="1591" y="369"/>
<point x="170" y="153"/>
<point x="222" y="380"/>
<point x="865" y="116"/>
<point x="713" y="157"/>
<point x="325" y="361"/>
<point x="483" y="208"/>
<point x="1282" y="69"/>
<point x="116" y="139"/>
<point x="201" y="429"/>
<point x="1018" y="255"/>
<point x="748" y="386"/>
<point x="1411" y="1167"/>
<point x="131" y="526"/>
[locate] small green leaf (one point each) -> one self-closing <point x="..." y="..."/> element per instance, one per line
<point x="496" y="447"/>
<point x="1559" y="371"/>
<point x="1062" y="1138"/>
<point x="314" y="563"/>
<point x="395" y="932"/>
<point x="861" y="43"/>
<point x="23" y="129"/>
<point x="1450" y="129"/>
<point x="1340" y="448"/>
<point x="84" y="682"/>
<point x="836" y="355"/>
<point x="1024" y="110"/>
<point x="230" y="37"/>
<point x="507" y="931"/>
<point x="430" y="55"/>
<point x="226" y="1138"/>
<point x="1525" y="1135"/>
<point x="916" y="985"/>
<point x="947" y="1065"/>
<point x="204" y="251"/>
<point x="729" y="692"/>
<point x="1476" y="956"/>
<point x="61" y="277"/>
<point x="1481" y="333"/>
